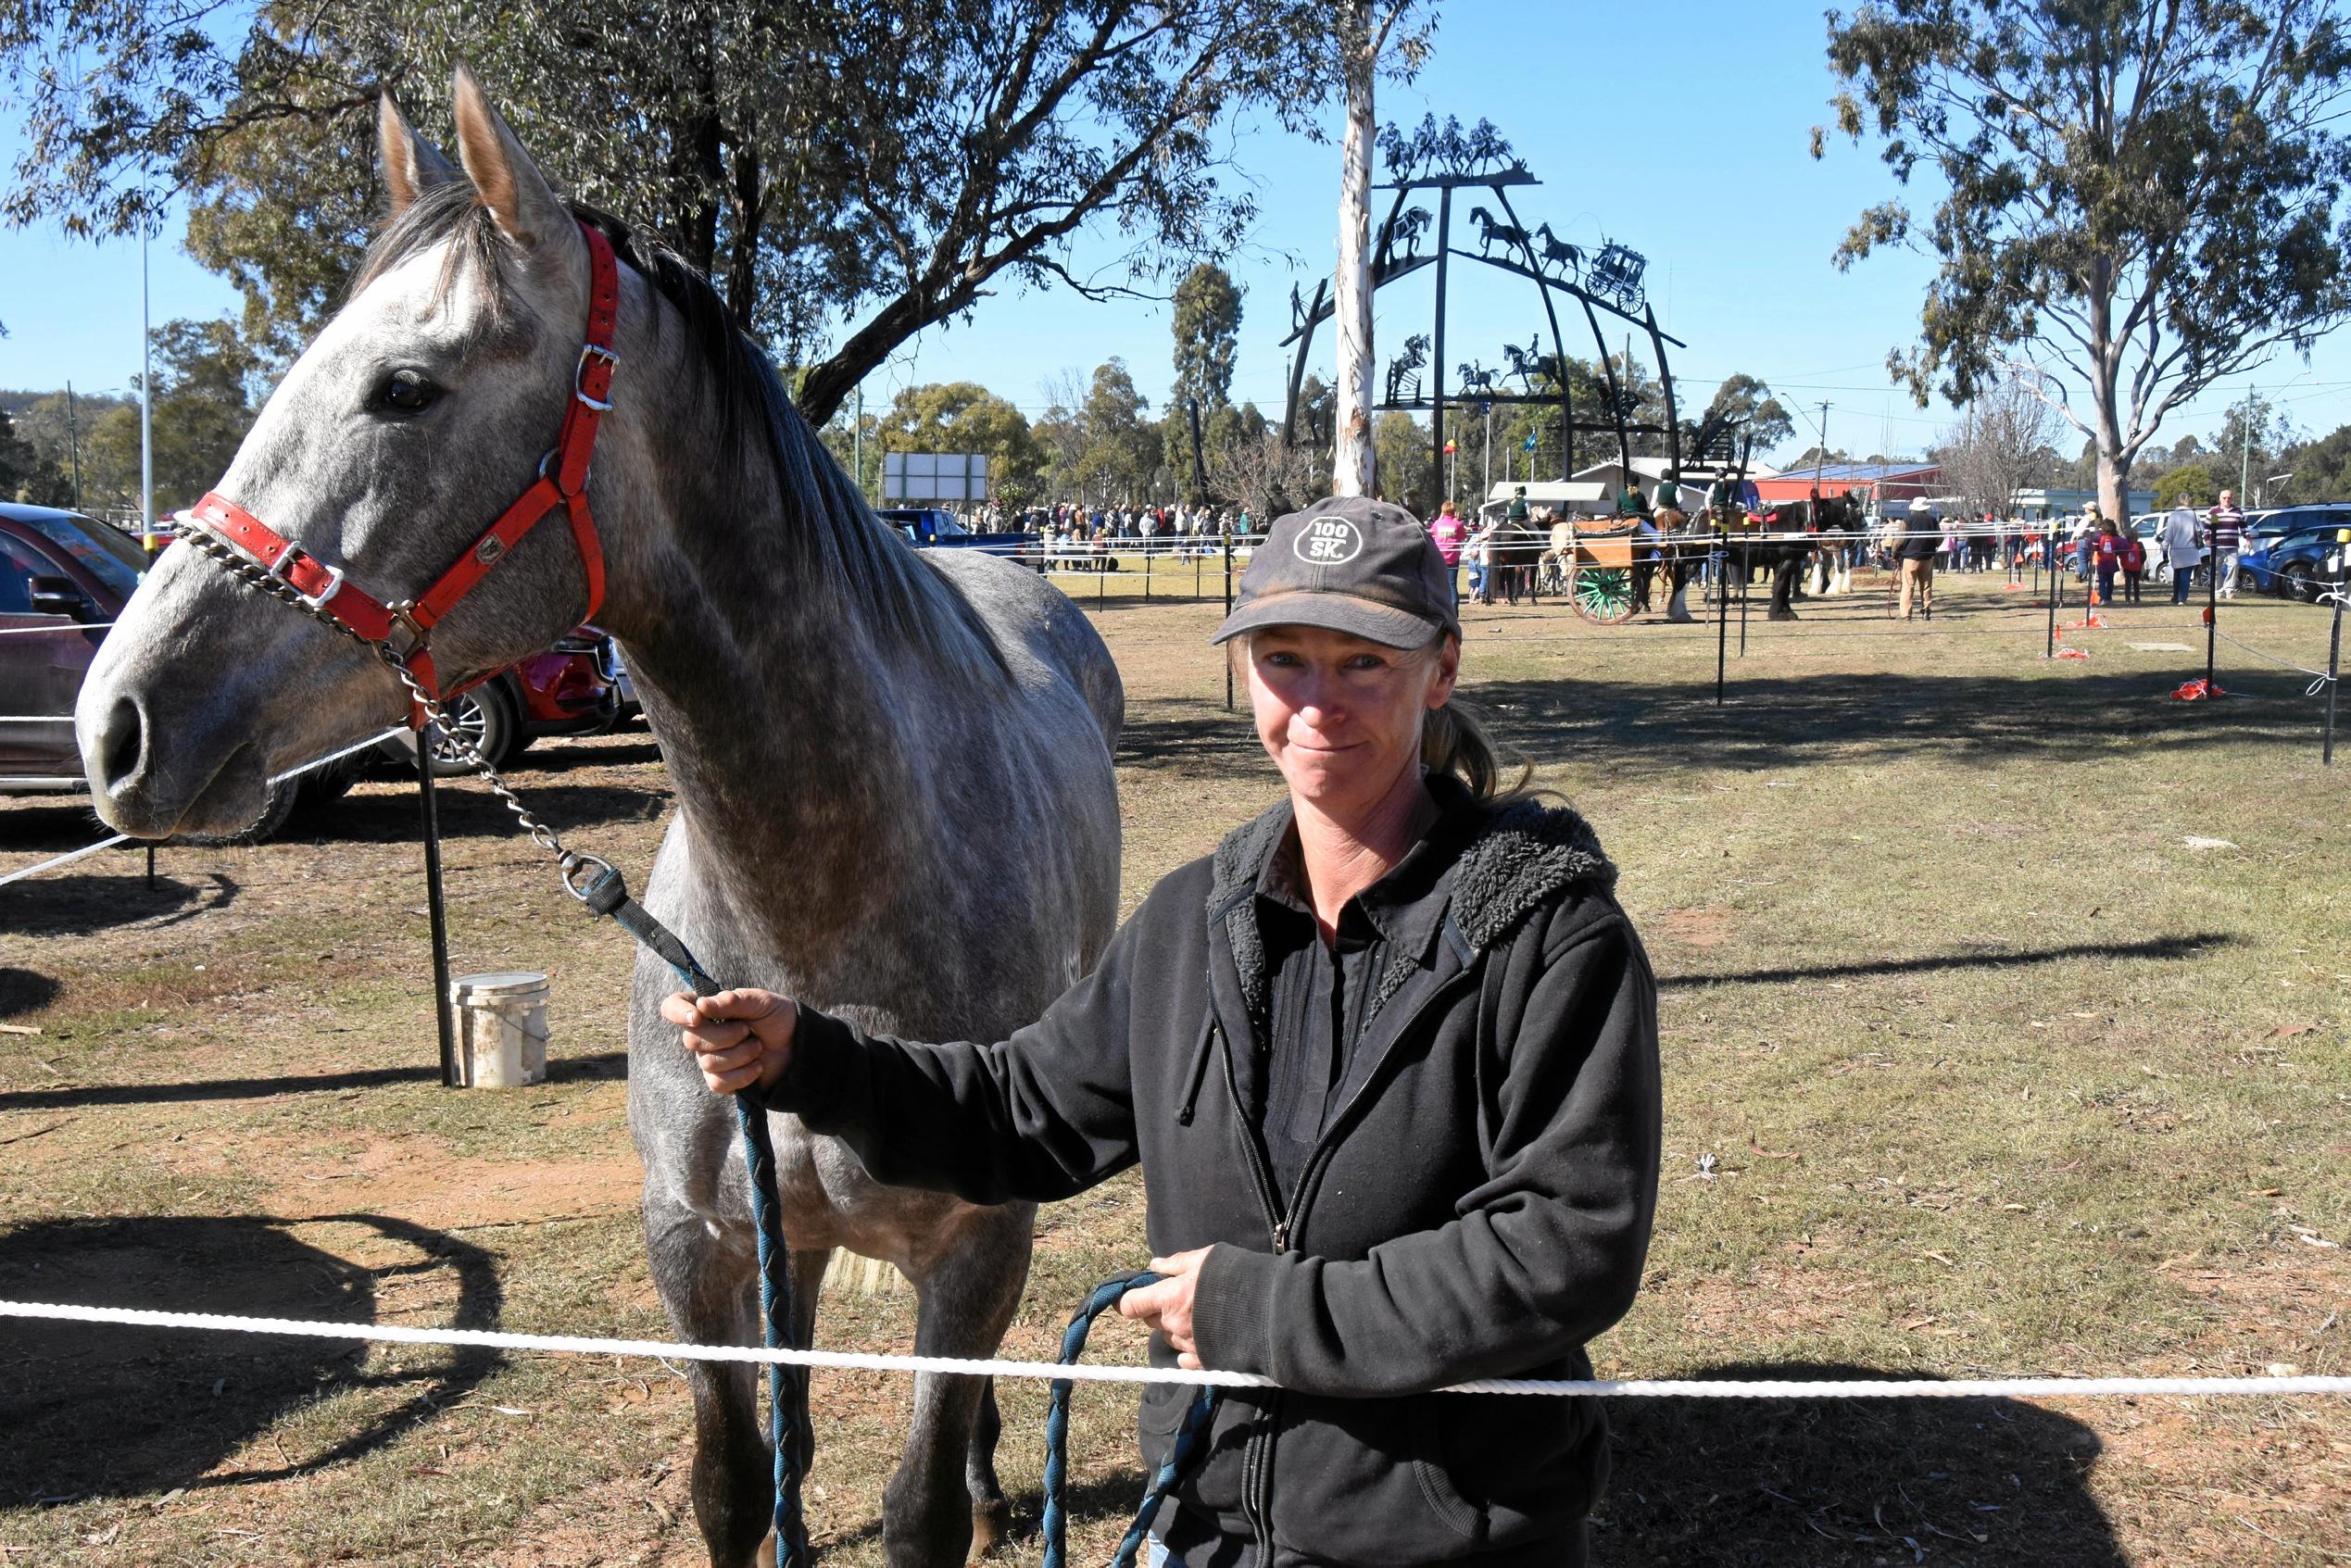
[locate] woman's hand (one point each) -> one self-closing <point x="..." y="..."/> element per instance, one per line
<point x="1167" y="1306"/>
<point x="740" y="1039"/>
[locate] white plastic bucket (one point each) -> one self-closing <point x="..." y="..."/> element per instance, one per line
<point x="501" y="1024"/>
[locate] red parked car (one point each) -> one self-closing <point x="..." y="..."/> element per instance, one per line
<point x="574" y="688"/>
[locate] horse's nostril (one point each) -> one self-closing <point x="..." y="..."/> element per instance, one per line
<point x="123" y="744"/>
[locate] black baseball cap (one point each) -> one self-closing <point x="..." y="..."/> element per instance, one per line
<point x="1349" y="564"/>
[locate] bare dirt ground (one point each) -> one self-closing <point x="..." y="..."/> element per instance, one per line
<point x="1975" y="1066"/>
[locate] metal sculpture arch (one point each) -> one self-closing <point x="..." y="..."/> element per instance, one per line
<point x="1445" y="158"/>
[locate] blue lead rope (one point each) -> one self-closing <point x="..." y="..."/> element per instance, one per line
<point x="1180" y="1453"/>
<point x="607" y="893"/>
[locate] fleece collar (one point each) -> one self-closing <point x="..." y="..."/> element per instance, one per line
<point x="1521" y="855"/>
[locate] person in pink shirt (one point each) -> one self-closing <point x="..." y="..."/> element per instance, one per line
<point x="1448" y="531"/>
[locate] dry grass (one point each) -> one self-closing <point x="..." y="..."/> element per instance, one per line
<point x="1996" y="1074"/>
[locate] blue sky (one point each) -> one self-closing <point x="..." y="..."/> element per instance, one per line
<point x="1680" y="130"/>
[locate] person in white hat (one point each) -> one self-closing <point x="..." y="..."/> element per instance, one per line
<point x="1921" y="535"/>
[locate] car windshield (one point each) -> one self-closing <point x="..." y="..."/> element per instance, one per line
<point x="110" y="555"/>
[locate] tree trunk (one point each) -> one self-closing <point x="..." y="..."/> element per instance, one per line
<point x="1351" y="472"/>
<point x="2114" y="469"/>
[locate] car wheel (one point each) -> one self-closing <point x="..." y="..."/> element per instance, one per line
<point x="484" y="718"/>
<point x="2308" y="583"/>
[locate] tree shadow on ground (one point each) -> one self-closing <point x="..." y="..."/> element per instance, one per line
<point x="1648" y="728"/>
<point x="105" y="1410"/>
<point x="1831" y="1483"/>
<point x="25" y="990"/>
<point x="77" y="903"/>
<point x="1983" y="957"/>
<point x="602" y="1067"/>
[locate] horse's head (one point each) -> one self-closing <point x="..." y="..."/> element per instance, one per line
<point x="419" y="411"/>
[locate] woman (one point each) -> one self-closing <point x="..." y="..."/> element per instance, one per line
<point x="1448" y="533"/>
<point x="1387" y="1059"/>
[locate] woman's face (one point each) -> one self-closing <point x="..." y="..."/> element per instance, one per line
<point x="1341" y="716"/>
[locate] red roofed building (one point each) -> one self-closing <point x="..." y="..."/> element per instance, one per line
<point x="1883" y="487"/>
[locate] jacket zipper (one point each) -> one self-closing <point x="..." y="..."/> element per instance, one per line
<point x="1256" y="1500"/>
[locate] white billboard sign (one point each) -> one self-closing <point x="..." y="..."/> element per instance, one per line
<point x="916" y="478"/>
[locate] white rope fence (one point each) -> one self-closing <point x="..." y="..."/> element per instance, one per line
<point x="854" y="1361"/>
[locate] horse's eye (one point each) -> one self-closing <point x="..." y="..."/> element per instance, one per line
<point x="405" y="391"/>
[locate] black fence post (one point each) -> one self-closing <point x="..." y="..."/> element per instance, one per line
<point x="1722" y="601"/>
<point x="429" y="808"/>
<point x="2334" y="639"/>
<point x="1226" y="529"/>
<point x="2211" y="621"/>
<point x="1746" y="577"/>
<point x="2056" y="592"/>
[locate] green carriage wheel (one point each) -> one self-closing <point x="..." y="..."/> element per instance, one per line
<point x="1602" y="594"/>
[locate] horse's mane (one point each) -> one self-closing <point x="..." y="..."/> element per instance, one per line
<point x="830" y="531"/>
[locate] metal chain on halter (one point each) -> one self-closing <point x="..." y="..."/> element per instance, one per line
<point x="245" y="571"/>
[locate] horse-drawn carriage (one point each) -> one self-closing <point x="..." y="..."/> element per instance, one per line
<point x="1602" y="573"/>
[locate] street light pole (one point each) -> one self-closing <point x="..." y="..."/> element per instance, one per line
<point x="146" y="398"/>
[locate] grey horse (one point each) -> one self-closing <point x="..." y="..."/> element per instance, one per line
<point x="892" y="769"/>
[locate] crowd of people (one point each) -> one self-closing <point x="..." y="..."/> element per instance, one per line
<point x="1498" y="556"/>
<point x="1069" y="522"/>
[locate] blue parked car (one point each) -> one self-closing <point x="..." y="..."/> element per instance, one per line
<point x="2295" y="552"/>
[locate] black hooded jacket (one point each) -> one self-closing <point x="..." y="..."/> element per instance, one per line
<point x="1478" y="1207"/>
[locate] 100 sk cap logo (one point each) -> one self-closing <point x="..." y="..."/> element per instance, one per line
<point x="1328" y="541"/>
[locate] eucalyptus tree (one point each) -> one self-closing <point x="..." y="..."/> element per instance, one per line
<point x="2135" y="198"/>
<point x="1367" y="37"/>
<point x="847" y="173"/>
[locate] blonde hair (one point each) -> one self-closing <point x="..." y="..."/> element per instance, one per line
<point x="1453" y="742"/>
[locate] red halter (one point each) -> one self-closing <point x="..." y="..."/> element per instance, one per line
<point x="562" y="482"/>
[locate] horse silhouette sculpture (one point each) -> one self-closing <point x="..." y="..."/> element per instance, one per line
<point x="1488" y="231"/>
<point x="1557" y="252"/>
<point x="1528" y="362"/>
<point x="1404" y="371"/>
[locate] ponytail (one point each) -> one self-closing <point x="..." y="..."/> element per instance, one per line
<point x="1452" y="741"/>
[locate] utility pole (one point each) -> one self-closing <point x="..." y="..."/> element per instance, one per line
<point x="1490" y="448"/>
<point x="857" y="443"/>
<point x="2244" y="444"/>
<point x="146" y="398"/>
<point x="73" y="444"/>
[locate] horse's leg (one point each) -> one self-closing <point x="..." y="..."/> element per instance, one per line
<point x="1678" y="602"/>
<point x="711" y="1292"/>
<point x="944" y="1494"/>
<point x="1783" y="587"/>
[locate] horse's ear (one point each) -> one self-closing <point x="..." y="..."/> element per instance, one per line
<point x="410" y="164"/>
<point x="525" y="207"/>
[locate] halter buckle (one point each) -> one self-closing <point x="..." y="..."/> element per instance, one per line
<point x="579" y="374"/>
<point x="278" y="569"/>
<point x="403" y="614"/>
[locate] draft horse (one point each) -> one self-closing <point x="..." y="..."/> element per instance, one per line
<point x="892" y="769"/>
